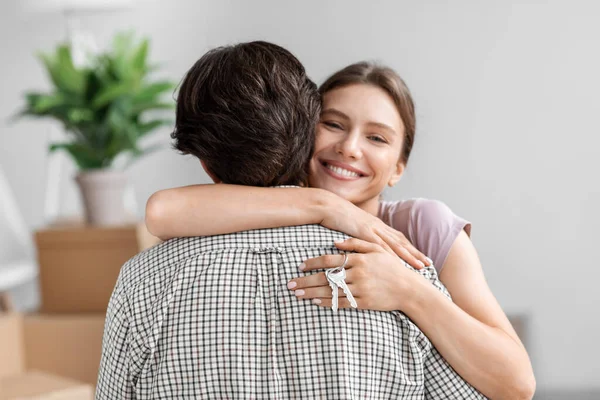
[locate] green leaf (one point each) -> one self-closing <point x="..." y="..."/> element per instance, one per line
<point x="110" y="94"/>
<point x="62" y="72"/>
<point x="151" y="105"/>
<point x="84" y="157"/>
<point x="78" y="115"/>
<point x="31" y="99"/>
<point x="150" y="92"/>
<point x="122" y="45"/>
<point x="117" y="120"/>
<point x="72" y="78"/>
<point x="51" y="68"/>
<point x="138" y="61"/>
<point x="45" y="102"/>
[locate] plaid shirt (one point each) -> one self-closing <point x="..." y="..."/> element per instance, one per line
<point x="211" y="318"/>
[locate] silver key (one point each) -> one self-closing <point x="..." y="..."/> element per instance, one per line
<point x="334" y="294"/>
<point x="338" y="276"/>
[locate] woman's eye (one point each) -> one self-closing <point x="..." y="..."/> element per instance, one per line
<point x="333" y="125"/>
<point x="376" y="138"/>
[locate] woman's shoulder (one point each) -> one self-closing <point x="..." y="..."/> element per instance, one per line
<point x="421" y="211"/>
<point x="418" y="208"/>
<point x="430" y="225"/>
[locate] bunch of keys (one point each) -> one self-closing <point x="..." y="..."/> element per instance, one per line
<point x="337" y="279"/>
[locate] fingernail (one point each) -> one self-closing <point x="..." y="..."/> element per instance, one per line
<point x="339" y="241"/>
<point x="302" y="266"/>
<point x="421" y="263"/>
<point x="317" y="301"/>
<point x="291" y="285"/>
<point x="429" y="260"/>
<point x="299" y="292"/>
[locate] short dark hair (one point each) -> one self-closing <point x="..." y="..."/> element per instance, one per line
<point x="249" y="112"/>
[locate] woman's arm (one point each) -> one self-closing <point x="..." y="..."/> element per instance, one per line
<point x="214" y="209"/>
<point x="472" y="332"/>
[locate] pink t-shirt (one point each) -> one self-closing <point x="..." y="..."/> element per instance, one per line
<point x="430" y="225"/>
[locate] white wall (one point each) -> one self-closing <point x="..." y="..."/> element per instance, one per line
<point x="507" y="96"/>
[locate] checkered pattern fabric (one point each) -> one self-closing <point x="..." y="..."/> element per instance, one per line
<point x="211" y="318"/>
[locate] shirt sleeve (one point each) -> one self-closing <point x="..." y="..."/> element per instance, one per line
<point x="114" y="378"/>
<point x="433" y="228"/>
<point x="441" y="381"/>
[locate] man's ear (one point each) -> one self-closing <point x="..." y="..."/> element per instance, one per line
<point x="397" y="173"/>
<point x="209" y="172"/>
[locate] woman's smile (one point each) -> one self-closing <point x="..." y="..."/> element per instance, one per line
<point x="341" y="171"/>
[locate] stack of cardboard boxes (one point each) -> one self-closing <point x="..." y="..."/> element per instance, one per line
<point x="79" y="267"/>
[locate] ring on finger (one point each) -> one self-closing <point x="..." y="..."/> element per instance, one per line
<point x="345" y="261"/>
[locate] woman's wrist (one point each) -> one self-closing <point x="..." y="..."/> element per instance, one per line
<point x="323" y="204"/>
<point x="414" y="292"/>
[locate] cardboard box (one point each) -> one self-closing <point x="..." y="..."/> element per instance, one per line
<point x="65" y="345"/>
<point x="79" y="265"/>
<point x="41" y="386"/>
<point x="16" y="381"/>
<point x="12" y="359"/>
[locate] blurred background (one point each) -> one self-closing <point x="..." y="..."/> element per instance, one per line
<point x="507" y="134"/>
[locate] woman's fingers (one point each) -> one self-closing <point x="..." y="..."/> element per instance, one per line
<point x="358" y="246"/>
<point x="343" y="302"/>
<point x="399" y="249"/>
<point x="326" y="261"/>
<point x="317" y="280"/>
<point x="318" y="292"/>
<point x="405" y="254"/>
<point x="383" y="244"/>
<point x="303" y="282"/>
<point x="404" y="249"/>
<point x="414" y="251"/>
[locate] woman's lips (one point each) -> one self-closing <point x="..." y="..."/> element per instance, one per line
<point x="340" y="175"/>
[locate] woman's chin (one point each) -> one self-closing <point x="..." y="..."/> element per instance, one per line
<point x="342" y="190"/>
<point x="348" y="190"/>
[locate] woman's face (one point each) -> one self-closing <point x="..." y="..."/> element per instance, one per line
<point x="358" y="144"/>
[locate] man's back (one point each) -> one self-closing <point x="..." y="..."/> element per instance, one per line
<point x="211" y="317"/>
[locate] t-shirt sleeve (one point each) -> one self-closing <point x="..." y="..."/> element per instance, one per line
<point x="433" y="228"/>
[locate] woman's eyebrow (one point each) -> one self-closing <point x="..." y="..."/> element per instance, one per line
<point x="383" y="126"/>
<point x="335" y="112"/>
<point x="344" y="116"/>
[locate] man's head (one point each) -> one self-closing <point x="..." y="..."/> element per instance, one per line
<point x="249" y="112"/>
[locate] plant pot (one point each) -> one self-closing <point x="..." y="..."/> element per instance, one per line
<point x="103" y="196"/>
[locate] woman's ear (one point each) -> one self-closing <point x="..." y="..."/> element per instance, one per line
<point x="209" y="172"/>
<point x="397" y="173"/>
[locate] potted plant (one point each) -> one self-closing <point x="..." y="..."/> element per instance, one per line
<point x="105" y="107"/>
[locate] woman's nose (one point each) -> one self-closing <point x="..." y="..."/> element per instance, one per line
<point x="349" y="146"/>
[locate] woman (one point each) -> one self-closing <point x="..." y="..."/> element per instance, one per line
<point x="363" y="143"/>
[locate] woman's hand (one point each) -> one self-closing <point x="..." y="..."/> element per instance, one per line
<point x="377" y="279"/>
<point x="345" y="217"/>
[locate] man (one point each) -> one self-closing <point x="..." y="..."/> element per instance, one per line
<point x="211" y="317"/>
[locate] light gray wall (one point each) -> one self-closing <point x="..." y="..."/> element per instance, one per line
<point x="507" y="96"/>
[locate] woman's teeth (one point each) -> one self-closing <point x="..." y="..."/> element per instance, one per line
<point x="342" y="171"/>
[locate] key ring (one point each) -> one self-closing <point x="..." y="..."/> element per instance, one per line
<point x="338" y="269"/>
<point x="345" y="261"/>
